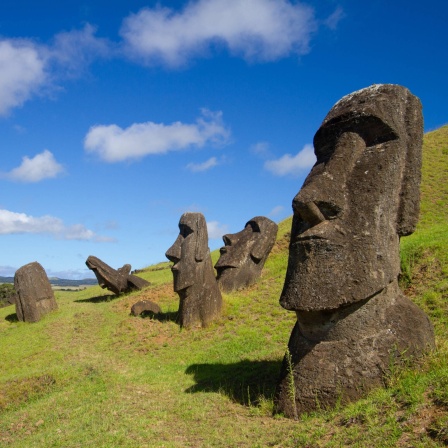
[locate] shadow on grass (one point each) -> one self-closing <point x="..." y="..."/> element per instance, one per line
<point x="98" y="299"/>
<point x="12" y="318"/>
<point x="246" y="382"/>
<point x="170" y="316"/>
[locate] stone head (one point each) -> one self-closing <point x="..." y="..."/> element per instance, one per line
<point x="115" y="280"/>
<point x="189" y="251"/>
<point x="360" y="197"/>
<point x="244" y="253"/>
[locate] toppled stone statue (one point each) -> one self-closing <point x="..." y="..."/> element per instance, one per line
<point x="116" y="280"/>
<point x="145" y="306"/>
<point x="244" y="254"/>
<point x="360" y="197"/>
<point x="193" y="275"/>
<point x="35" y="297"/>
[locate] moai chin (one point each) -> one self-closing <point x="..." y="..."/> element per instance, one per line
<point x="193" y="275"/>
<point x="35" y="297"/>
<point x="244" y="254"/>
<point x="360" y="197"/>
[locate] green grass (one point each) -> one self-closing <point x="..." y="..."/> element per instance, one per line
<point x="90" y="374"/>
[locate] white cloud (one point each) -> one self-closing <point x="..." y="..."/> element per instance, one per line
<point x="17" y="223"/>
<point x="216" y="230"/>
<point x="42" y="166"/>
<point x="114" y="144"/>
<point x="7" y="271"/>
<point x="71" y="52"/>
<point x="276" y="210"/>
<point x="28" y="69"/>
<point x="293" y="165"/>
<point x="22" y="72"/>
<point x="260" y="149"/>
<point x="261" y="30"/>
<point x="333" y="20"/>
<point x="197" y="167"/>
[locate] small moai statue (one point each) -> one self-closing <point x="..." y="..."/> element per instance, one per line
<point x="35" y="297"/>
<point x="193" y="274"/>
<point x="117" y="281"/>
<point x="244" y="254"/>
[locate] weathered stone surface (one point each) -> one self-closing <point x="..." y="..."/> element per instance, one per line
<point x="135" y="282"/>
<point x="145" y="306"/>
<point x="115" y="280"/>
<point x="244" y="254"/>
<point x="361" y="196"/>
<point x="193" y="275"/>
<point x="35" y="298"/>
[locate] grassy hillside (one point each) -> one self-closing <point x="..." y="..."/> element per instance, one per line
<point x="90" y="374"/>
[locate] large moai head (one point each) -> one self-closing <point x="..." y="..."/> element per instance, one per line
<point x="360" y="197"/>
<point x="35" y="297"/>
<point x="193" y="276"/>
<point x="244" y="254"/>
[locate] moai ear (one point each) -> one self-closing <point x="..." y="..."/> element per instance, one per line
<point x="201" y="238"/>
<point x="265" y="241"/>
<point x="259" y="248"/>
<point x="409" y="208"/>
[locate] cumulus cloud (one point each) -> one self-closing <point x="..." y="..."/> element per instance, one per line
<point x="115" y="144"/>
<point x="292" y="165"/>
<point x="260" y="149"/>
<point x="42" y="166"/>
<point x="216" y="230"/>
<point x="19" y="223"/>
<point x="72" y="51"/>
<point x="28" y="68"/>
<point x="22" y="72"/>
<point x="333" y="19"/>
<point x="260" y="30"/>
<point x="7" y="271"/>
<point x="204" y="166"/>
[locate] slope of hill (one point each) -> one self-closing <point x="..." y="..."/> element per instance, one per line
<point x="90" y="374"/>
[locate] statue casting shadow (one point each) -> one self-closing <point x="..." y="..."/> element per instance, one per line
<point x="99" y="299"/>
<point x="170" y="316"/>
<point x="12" y="318"/>
<point x="245" y="382"/>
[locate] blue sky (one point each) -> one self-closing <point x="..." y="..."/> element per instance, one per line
<point x="118" y="116"/>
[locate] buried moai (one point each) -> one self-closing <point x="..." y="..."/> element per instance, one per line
<point x="193" y="276"/>
<point x="35" y="297"/>
<point x="145" y="307"/>
<point x="116" y="280"/>
<point x="244" y="254"/>
<point x="361" y="196"/>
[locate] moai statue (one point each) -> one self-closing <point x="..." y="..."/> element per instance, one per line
<point x="193" y="275"/>
<point x="116" y="280"/>
<point x="35" y="298"/>
<point x="360" y="197"/>
<point x="244" y="254"/>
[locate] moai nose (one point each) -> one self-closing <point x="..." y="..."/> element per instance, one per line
<point x="309" y="212"/>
